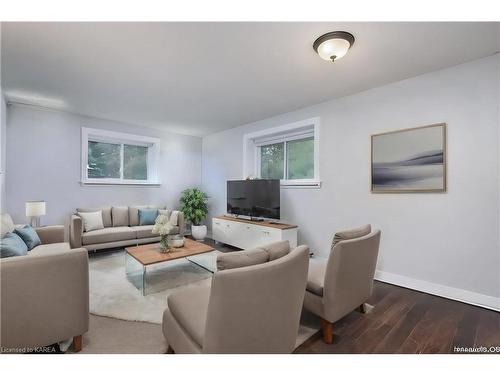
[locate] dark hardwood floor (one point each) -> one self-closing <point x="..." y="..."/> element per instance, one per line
<point x="407" y="321"/>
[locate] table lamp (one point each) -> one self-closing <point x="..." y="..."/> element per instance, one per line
<point x="34" y="210"/>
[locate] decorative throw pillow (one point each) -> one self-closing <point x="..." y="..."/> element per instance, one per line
<point x="29" y="236"/>
<point x="106" y="214"/>
<point x="147" y="216"/>
<point x="174" y="218"/>
<point x="91" y="220"/>
<point x="6" y="225"/>
<point x="164" y="213"/>
<point x="12" y="245"/>
<point x="119" y="216"/>
<point x="351" y="234"/>
<point x="242" y="258"/>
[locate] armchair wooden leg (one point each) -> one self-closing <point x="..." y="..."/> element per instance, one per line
<point x="327" y="328"/>
<point x="77" y="343"/>
<point x="362" y="308"/>
<point x="170" y="350"/>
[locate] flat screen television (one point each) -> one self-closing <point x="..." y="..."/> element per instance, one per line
<point x="254" y="198"/>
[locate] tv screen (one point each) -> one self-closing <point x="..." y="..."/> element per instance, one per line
<point x="255" y="198"/>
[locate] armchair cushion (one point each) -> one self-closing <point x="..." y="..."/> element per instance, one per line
<point x="51" y="234"/>
<point x="316" y="276"/>
<point x="351" y="234"/>
<point x="49" y="249"/>
<point x="189" y="307"/>
<point x="277" y="249"/>
<point x="12" y="245"/>
<point x="29" y="236"/>
<point x="242" y="258"/>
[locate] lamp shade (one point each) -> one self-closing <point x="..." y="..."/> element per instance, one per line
<point x="333" y="46"/>
<point x="34" y="209"/>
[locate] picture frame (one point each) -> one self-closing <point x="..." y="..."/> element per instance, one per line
<point x="411" y="160"/>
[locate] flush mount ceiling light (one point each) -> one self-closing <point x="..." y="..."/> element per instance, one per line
<point x="333" y="46"/>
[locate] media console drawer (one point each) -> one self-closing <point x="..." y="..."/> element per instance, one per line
<point x="247" y="235"/>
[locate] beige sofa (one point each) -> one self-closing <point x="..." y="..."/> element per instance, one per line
<point x="45" y="294"/>
<point x="252" y="304"/>
<point x="121" y="228"/>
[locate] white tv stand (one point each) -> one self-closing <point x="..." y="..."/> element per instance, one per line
<point x="247" y="234"/>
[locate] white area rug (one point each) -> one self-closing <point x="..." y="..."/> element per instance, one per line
<point x="112" y="295"/>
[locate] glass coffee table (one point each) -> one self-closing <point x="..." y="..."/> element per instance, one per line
<point x="151" y="271"/>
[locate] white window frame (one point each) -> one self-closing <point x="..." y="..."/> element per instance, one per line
<point x="99" y="135"/>
<point x="294" y="131"/>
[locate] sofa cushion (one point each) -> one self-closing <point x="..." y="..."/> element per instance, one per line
<point x="133" y="213"/>
<point x="29" y="236"/>
<point x="106" y="214"/>
<point x="174" y="218"/>
<point x="242" y="258"/>
<point x="108" y="235"/>
<point x="316" y="276"/>
<point x="119" y="216"/>
<point x="11" y="245"/>
<point x="50" y="248"/>
<point x="6" y="225"/>
<point x="277" y="249"/>
<point x="91" y="220"/>
<point x="351" y="234"/>
<point x="144" y="231"/>
<point x="189" y="307"/>
<point x="147" y="216"/>
<point x="164" y="213"/>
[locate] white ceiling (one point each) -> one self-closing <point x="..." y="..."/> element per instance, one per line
<point x="199" y="78"/>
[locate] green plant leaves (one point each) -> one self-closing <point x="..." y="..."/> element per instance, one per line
<point x="194" y="205"/>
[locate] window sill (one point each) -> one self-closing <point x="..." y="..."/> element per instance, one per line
<point x="120" y="183"/>
<point x="300" y="184"/>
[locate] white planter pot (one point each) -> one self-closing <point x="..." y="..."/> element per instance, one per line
<point x="199" y="232"/>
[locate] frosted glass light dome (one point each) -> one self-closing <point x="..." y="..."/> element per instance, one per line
<point x="334" y="45"/>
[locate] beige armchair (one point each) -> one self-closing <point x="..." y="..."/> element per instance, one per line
<point x="45" y="294"/>
<point x="343" y="282"/>
<point x="252" y="309"/>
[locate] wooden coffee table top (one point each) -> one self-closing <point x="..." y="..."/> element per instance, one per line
<point x="150" y="253"/>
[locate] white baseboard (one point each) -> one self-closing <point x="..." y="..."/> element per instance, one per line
<point x="466" y="296"/>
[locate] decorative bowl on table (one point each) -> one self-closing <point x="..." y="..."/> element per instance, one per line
<point x="176" y="240"/>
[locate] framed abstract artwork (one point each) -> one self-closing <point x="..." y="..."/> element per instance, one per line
<point x="409" y="160"/>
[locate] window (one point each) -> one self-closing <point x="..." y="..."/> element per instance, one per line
<point x="288" y="160"/>
<point x="272" y="161"/>
<point x="289" y="153"/>
<point x="118" y="158"/>
<point x="300" y="159"/>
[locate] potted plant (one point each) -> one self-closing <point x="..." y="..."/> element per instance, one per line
<point x="195" y="209"/>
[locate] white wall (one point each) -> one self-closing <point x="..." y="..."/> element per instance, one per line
<point x="43" y="160"/>
<point x="444" y="243"/>
<point x="3" y="159"/>
<point x="3" y="124"/>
